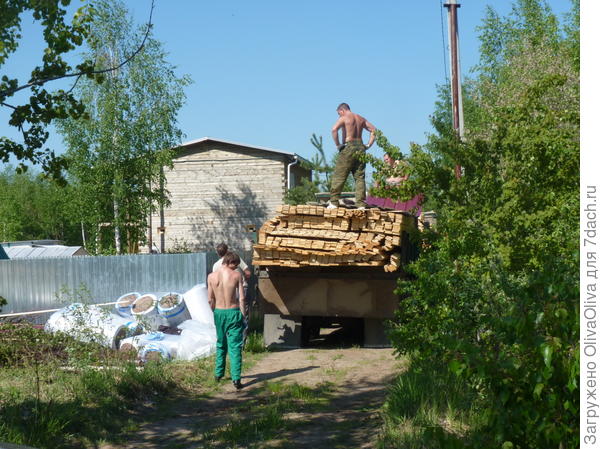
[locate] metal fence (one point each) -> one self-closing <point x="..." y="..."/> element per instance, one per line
<point x="36" y="284"/>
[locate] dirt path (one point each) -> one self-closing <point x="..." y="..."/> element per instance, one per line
<point x="303" y="398"/>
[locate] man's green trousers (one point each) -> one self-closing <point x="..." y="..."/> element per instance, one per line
<point x="230" y="327"/>
<point x="348" y="162"/>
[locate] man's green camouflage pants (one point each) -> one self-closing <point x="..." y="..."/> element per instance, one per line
<point x="348" y="162"/>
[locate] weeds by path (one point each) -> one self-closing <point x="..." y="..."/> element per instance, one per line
<point x="430" y="408"/>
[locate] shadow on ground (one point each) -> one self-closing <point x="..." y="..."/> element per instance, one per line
<point x="280" y="416"/>
<point x="263" y="377"/>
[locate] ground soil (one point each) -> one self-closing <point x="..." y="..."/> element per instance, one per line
<point x="356" y="379"/>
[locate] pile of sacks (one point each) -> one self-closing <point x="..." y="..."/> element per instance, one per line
<point x="168" y="326"/>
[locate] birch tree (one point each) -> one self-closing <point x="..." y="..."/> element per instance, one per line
<point x="117" y="153"/>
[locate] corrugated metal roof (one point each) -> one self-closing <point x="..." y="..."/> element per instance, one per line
<point x="43" y="251"/>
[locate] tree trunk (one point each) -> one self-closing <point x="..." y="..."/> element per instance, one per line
<point x="117" y="228"/>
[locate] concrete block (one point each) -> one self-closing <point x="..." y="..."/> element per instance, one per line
<point x="282" y="331"/>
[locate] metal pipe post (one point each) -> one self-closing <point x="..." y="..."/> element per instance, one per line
<point x="453" y="6"/>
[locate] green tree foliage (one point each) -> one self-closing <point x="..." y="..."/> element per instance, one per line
<point x="321" y="171"/>
<point x="33" y="207"/>
<point x="383" y="171"/>
<point x="117" y="155"/>
<point x="495" y="291"/>
<point x="43" y="106"/>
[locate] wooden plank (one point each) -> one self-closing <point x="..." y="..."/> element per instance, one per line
<point x="314" y="235"/>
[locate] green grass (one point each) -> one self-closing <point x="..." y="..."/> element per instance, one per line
<point x="333" y="370"/>
<point x="255" y="343"/>
<point x="430" y="408"/>
<point x="48" y="407"/>
<point x="265" y="425"/>
<point x="56" y="392"/>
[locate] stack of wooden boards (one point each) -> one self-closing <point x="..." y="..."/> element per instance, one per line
<point x="307" y="235"/>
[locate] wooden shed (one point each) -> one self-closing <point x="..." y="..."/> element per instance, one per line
<point x="220" y="191"/>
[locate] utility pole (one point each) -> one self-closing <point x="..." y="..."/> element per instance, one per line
<point x="457" y="110"/>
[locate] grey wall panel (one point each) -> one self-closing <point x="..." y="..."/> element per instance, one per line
<point x="35" y="284"/>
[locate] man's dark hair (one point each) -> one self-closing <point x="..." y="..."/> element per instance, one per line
<point x="230" y="257"/>
<point x="343" y="106"/>
<point x="222" y="249"/>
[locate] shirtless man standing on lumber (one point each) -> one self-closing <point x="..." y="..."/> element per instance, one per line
<point x="352" y="126"/>
<point x="229" y="316"/>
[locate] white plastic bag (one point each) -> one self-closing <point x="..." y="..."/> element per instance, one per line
<point x="91" y="323"/>
<point x="196" y="300"/>
<point x="198" y="340"/>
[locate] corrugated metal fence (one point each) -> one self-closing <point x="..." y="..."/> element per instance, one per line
<point x="33" y="284"/>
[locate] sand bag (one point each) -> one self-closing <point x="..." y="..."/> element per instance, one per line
<point x="138" y="341"/>
<point x="124" y="303"/>
<point x="196" y="300"/>
<point x="90" y="323"/>
<point x="172" y="307"/>
<point x="168" y="342"/>
<point x="144" y="310"/>
<point x="154" y="351"/>
<point x="197" y="340"/>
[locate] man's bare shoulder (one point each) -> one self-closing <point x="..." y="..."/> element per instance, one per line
<point x="212" y="277"/>
<point x="360" y="118"/>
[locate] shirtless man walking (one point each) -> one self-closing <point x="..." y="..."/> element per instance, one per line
<point x="223" y="285"/>
<point x="352" y="126"/>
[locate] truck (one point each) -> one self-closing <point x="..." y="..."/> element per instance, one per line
<point x="325" y="268"/>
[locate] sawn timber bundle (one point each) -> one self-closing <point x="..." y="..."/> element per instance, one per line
<point x="306" y="235"/>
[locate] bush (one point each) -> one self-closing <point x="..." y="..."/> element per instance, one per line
<point x="494" y="294"/>
<point x="22" y="343"/>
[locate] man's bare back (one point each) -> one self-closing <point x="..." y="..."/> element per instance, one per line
<point x="222" y="285"/>
<point x="352" y="126"/>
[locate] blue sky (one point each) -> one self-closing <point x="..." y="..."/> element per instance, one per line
<point x="270" y="73"/>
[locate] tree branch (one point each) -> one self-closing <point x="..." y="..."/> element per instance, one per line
<point x="11" y="92"/>
<point x="8" y="105"/>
